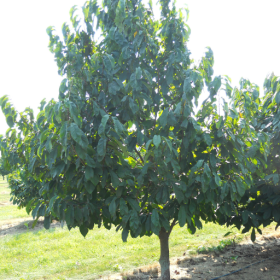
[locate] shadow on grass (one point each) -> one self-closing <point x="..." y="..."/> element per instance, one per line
<point x="26" y="226"/>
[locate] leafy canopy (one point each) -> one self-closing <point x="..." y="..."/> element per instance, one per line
<point x="260" y="205"/>
<point x="124" y="144"/>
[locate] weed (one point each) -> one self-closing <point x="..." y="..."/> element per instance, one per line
<point x="222" y="245"/>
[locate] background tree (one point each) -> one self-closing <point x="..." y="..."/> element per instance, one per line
<point x="3" y="171"/>
<point x="260" y="205"/>
<point x="123" y="145"/>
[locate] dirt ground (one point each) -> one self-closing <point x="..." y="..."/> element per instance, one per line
<point x="209" y="266"/>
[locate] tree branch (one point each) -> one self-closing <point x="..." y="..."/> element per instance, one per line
<point x="172" y="225"/>
<point x="136" y="160"/>
<point x="138" y="153"/>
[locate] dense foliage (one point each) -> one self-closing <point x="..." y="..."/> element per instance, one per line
<point x="124" y="145"/>
<point x="3" y="171"/>
<point x="260" y="206"/>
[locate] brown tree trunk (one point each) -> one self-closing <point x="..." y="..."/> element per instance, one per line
<point x="164" y="254"/>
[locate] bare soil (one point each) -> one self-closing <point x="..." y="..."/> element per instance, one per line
<point x="209" y="266"/>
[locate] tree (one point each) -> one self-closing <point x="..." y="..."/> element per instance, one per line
<point x="3" y="171"/>
<point x="260" y="206"/>
<point x="123" y="145"/>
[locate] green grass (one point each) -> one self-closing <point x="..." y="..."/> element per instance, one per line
<point x="10" y="211"/>
<point x="60" y="254"/>
<point x="4" y="194"/>
<point x="4" y="191"/>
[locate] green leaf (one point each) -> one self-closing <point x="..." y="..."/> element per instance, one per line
<point x="176" y="166"/>
<point x="163" y="118"/>
<point x="104" y="120"/>
<point x="89" y="173"/>
<point x="253" y="235"/>
<point x="185" y="123"/>
<point x="101" y="148"/>
<point x="113" y="208"/>
<point x="168" y="142"/>
<point x="90" y="162"/>
<point x="207" y="139"/>
<point x="187" y="85"/>
<point x="114" y="179"/>
<point x="134" y="204"/>
<point x="276" y="214"/>
<point x="74" y="113"/>
<point x="155" y="218"/>
<point x="277" y="97"/>
<point x="10" y="121"/>
<point x="207" y="170"/>
<point x="90" y="187"/>
<point x="78" y="215"/>
<point x="119" y="127"/>
<point x="125" y="234"/>
<point x="148" y="76"/>
<point x="267" y="214"/>
<point x="255" y="94"/>
<point x="240" y="188"/>
<point x="69" y="215"/>
<point x="217" y="179"/>
<point x="83" y="230"/>
<point x="47" y="222"/>
<point x="78" y="135"/>
<point x="198" y="164"/>
<point x="52" y="201"/>
<point x="182" y="216"/>
<point x="134" y="220"/>
<point x="179" y="194"/>
<point x="113" y="88"/>
<point x="148" y="144"/>
<point x="138" y="73"/>
<point x="123" y="207"/>
<point x="275" y="178"/>
<point x="156" y="140"/>
<point x="169" y="75"/>
<point x="63" y="134"/>
<point x="245" y="216"/>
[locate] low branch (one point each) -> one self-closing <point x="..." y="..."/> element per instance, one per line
<point x="172" y="225"/>
<point x="138" y="153"/>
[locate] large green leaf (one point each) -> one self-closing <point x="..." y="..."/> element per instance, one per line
<point x="182" y="216"/>
<point x="101" y="148"/>
<point x="157" y="140"/>
<point x="78" y="135"/>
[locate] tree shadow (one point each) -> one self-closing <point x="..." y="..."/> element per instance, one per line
<point x="26" y="226"/>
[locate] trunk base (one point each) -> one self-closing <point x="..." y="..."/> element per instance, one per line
<point x="164" y="254"/>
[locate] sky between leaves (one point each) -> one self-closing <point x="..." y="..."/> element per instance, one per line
<point x="242" y="34"/>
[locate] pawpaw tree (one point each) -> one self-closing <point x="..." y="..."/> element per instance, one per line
<point x="3" y="171"/>
<point x="124" y="146"/>
<point x="260" y="205"/>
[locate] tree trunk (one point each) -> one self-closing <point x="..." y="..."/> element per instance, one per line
<point x="164" y="254"/>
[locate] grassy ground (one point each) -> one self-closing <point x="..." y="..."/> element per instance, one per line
<point x="60" y="254"/>
<point x="8" y="212"/>
<point x="4" y="192"/>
